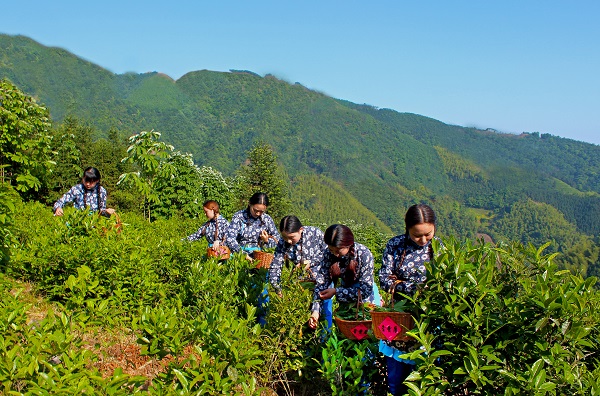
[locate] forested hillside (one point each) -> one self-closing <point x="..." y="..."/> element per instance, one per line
<point x="370" y="163"/>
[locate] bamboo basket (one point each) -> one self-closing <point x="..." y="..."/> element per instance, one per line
<point x="220" y="253"/>
<point x="262" y="259"/>
<point x="392" y="326"/>
<point x="355" y="330"/>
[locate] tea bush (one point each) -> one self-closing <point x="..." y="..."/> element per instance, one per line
<point x="46" y="356"/>
<point x="491" y="320"/>
<point x="505" y="320"/>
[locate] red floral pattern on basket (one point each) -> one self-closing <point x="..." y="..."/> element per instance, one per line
<point x="220" y="252"/>
<point x="392" y="326"/>
<point x="389" y="328"/>
<point x="354" y="329"/>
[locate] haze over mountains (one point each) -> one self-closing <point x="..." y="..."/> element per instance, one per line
<point x="529" y="187"/>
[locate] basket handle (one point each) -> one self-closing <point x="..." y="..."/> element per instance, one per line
<point x="358" y="304"/>
<point x="393" y="291"/>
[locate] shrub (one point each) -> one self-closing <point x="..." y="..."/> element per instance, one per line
<point x="505" y="320"/>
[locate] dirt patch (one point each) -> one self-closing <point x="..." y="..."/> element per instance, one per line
<point x="120" y="350"/>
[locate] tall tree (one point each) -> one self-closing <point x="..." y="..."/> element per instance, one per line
<point x="262" y="173"/>
<point x="25" y="141"/>
<point x="151" y="156"/>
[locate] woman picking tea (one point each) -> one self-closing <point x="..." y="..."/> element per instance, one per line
<point x="403" y="270"/>
<point x="346" y="264"/>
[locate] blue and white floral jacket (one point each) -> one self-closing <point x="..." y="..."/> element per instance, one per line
<point x="310" y="248"/>
<point x="244" y="231"/>
<point x="346" y="293"/>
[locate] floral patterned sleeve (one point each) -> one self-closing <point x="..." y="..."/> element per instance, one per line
<point x="315" y="245"/>
<point x="235" y="227"/>
<point x="67" y="197"/>
<point x="387" y="268"/>
<point x="198" y="234"/>
<point x="271" y="230"/>
<point x="277" y="266"/>
<point x="102" y="201"/>
<point x="322" y="281"/>
<point x="365" y="278"/>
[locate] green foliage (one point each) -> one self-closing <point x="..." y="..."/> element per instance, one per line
<point x="151" y="157"/>
<point x="46" y="356"/>
<point x="536" y="223"/>
<point x="222" y="189"/>
<point x="263" y="174"/>
<point x="318" y="199"/>
<point x="347" y="365"/>
<point x="583" y="257"/>
<point x="8" y="198"/>
<point x="505" y="320"/>
<point x="25" y="141"/>
<point x="354" y="312"/>
<point x="180" y="193"/>
<point x="459" y="168"/>
<point x="287" y="341"/>
<point x="491" y="319"/>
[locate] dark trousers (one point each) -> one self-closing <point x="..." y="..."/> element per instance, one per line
<point x="397" y="372"/>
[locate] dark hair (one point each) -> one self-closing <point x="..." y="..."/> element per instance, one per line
<point x="340" y="236"/>
<point x="419" y="214"/>
<point x="211" y="205"/>
<point x="290" y="224"/>
<point x="91" y="174"/>
<point x="259" y="198"/>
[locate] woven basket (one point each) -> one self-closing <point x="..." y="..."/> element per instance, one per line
<point x="307" y="280"/>
<point x="392" y="326"/>
<point x="221" y="253"/>
<point x="355" y="330"/>
<point x="262" y="259"/>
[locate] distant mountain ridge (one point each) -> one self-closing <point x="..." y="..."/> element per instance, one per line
<point x="385" y="159"/>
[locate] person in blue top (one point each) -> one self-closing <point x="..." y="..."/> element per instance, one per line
<point x="252" y="227"/>
<point x="87" y="194"/>
<point x="346" y="264"/>
<point x="215" y="229"/>
<point x="303" y="246"/>
<point x="402" y="271"/>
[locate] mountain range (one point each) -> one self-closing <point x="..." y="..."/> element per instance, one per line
<point x="530" y="187"/>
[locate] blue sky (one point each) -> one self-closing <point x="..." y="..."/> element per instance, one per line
<point x="512" y="65"/>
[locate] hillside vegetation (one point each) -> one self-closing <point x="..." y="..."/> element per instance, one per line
<point x="379" y="158"/>
<point x="138" y="310"/>
<point x="126" y="305"/>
